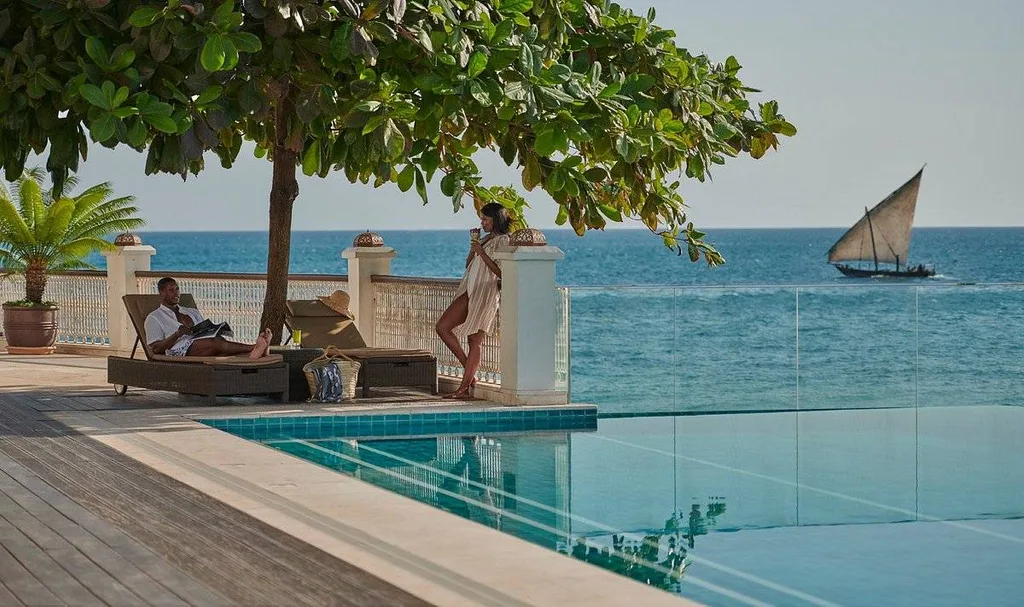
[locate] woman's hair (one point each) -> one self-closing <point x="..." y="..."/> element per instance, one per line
<point x="499" y="215"/>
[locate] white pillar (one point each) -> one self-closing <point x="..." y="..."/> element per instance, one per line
<point x="122" y="264"/>
<point x="529" y="321"/>
<point x="367" y="257"/>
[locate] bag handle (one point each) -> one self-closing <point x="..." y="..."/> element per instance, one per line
<point x="332" y="352"/>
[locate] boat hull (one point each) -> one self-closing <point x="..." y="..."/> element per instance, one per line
<point x="862" y="273"/>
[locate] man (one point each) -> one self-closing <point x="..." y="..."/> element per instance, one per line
<point x="169" y="330"/>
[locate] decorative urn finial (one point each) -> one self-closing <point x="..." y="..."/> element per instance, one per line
<point x="368" y="239"/>
<point x="527" y="237"/>
<point x="128" y="239"/>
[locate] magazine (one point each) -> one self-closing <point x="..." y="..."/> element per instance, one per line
<point x="208" y="328"/>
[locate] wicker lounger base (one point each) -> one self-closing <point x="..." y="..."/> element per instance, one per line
<point x="380" y="370"/>
<point x="203" y="379"/>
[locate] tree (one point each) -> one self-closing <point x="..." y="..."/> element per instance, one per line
<point x="41" y="233"/>
<point x="595" y="104"/>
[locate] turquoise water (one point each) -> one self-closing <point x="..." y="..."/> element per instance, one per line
<point x="895" y="506"/>
<point x="740" y="337"/>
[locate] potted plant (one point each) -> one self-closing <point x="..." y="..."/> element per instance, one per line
<point x="43" y="231"/>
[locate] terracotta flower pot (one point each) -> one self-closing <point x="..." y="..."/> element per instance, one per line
<point x="30" y="330"/>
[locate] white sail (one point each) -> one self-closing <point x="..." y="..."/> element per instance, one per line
<point x="883" y="234"/>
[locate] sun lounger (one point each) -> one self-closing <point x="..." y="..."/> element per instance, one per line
<point x="322" y="326"/>
<point x="210" y="376"/>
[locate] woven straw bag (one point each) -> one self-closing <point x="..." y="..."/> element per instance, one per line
<point x="331" y="377"/>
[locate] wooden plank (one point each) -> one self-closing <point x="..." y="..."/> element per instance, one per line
<point x="220" y="547"/>
<point x="235" y="567"/>
<point x="22" y="583"/>
<point x="246" y="544"/>
<point x="138" y="569"/>
<point x="98" y="581"/>
<point x="50" y="574"/>
<point x="7" y="598"/>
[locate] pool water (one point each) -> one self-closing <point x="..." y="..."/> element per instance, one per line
<point x="864" y="507"/>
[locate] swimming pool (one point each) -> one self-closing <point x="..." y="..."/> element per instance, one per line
<point x="864" y="507"/>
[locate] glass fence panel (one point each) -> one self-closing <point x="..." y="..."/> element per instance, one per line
<point x="736" y="349"/>
<point x="857" y="347"/>
<point x="623" y="349"/>
<point x="971" y="345"/>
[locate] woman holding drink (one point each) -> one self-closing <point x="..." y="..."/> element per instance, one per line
<point x="473" y="311"/>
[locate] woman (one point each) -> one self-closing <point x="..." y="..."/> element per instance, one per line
<point x="475" y="307"/>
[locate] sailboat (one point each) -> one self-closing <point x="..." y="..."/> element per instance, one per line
<point x="882" y="236"/>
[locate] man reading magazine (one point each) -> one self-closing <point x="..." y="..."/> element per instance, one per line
<point x="179" y="331"/>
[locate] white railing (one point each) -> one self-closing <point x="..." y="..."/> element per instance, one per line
<point x="238" y="298"/>
<point x="563" y="337"/>
<point x="82" y="297"/>
<point x="407" y="310"/>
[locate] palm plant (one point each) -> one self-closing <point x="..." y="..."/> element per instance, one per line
<point x="42" y="231"/>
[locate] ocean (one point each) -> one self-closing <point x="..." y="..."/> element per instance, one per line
<point x="775" y="328"/>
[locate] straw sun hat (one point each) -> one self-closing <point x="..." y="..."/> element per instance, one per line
<point x="337" y="301"/>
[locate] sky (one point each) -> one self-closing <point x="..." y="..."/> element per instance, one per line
<point x="877" y="88"/>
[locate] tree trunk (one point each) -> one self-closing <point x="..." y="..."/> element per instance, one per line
<point x="35" y="282"/>
<point x="283" y="192"/>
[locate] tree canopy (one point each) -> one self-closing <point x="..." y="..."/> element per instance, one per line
<point x="593" y="103"/>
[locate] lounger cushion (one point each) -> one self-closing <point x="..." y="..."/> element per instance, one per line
<point x="388" y="355"/>
<point x="242" y="360"/>
<point x="141" y="306"/>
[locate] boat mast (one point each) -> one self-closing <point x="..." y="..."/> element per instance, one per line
<point x="871" y="229"/>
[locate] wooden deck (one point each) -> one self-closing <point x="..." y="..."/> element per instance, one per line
<point x="82" y="524"/>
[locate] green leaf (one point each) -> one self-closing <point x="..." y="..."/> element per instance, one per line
<point x="509" y="7"/>
<point x="531" y="173"/>
<point x="611" y="212"/>
<point x="145" y="16"/>
<point x="103" y="127"/>
<point x="550" y="140"/>
<point x="449" y="183"/>
<point x="526" y="60"/>
<point x="477" y="63"/>
<point x="230" y="53"/>
<point x="95" y="96"/>
<point x="476" y="89"/>
<point x="222" y="16"/>
<point x="610" y="91"/>
<point x="97" y="52"/>
<point x="373" y="124"/>
<point x="637" y="83"/>
<point x="122" y="57"/>
<point x="406" y="178"/>
<point x="119" y="97"/>
<point x="214" y="55"/>
<point x="563" y="215"/>
<point x="162" y="123"/>
<point x="368" y="105"/>
<point x="503" y="30"/>
<point x="212" y="93"/>
<point x="137" y="133"/>
<point x="246" y="42"/>
<point x="556" y="181"/>
<point x="421" y="187"/>
<point x="705" y="109"/>
<point x="311" y="159"/>
<point x="394" y="140"/>
<point x="558" y="73"/>
<point x="783" y="128"/>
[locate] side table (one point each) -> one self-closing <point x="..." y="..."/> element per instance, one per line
<point x="296" y="358"/>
